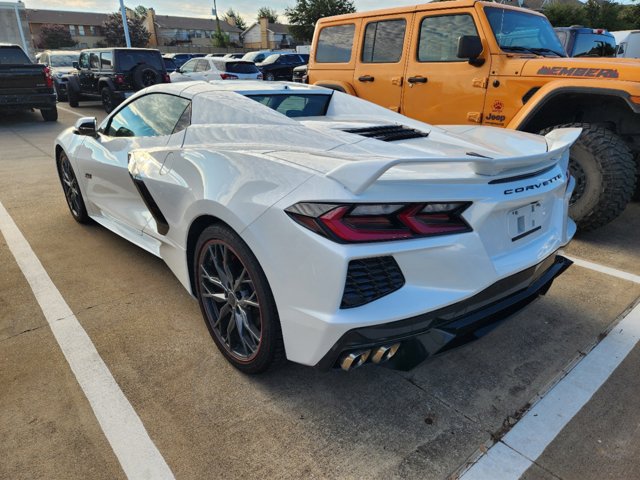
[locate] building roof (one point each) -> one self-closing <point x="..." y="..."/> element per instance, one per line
<point x="60" y="17"/>
<point x="190" y="23"/>
<point x="279" y="28"/>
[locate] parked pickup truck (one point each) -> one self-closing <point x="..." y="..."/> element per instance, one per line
<point x="25" y="85"/>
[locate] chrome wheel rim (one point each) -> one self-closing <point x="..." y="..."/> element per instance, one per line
<point x="70" y="186"/>
<point x="230" y="300"/>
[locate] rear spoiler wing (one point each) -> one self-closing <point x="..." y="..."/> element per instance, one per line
<point x="359" y="175"/>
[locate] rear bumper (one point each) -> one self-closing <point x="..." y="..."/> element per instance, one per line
<point x="35" y="100"/>
<point x="434" y="332"/>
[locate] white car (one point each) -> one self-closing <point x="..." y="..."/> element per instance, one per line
<point x="214" y="68"/>
<point x="318" y="226"/>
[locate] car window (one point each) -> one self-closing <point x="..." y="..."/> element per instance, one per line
<point x="295" y="105"/>
<point x="61" y="60"/>
<point x="335" y="44"/>
<point x="13" y="56"/>
<point x="438" y="41"/>
<point x="106" y="60"/>
<point x="94" y="61"/>
<point x="383" y="41"/>
<point x="128" y="59"/>
<point x="203" y="66"/>
<point x="241" y="67"/>
<point x="189" y="66"/>
<point x="594" y="45"/>
<point x="84" y="60"/>
<point x="152" y="115"/>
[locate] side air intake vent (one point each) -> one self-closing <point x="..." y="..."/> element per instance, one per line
<point x="369" y="279"/>
<point x="388" y="133"/>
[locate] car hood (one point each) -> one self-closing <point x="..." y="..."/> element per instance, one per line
<point x="592" y="67"/>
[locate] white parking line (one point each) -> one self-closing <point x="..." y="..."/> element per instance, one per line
<point x="524" y="443"/>
<point x="136" y="452"/>
<point x="606" y="270"/>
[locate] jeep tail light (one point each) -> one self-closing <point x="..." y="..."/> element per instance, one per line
<point x="228" y="76"/>
<point x="166" y="78"/>
<point x="118" y="78"/>
<point x="48" y="79"/>
<point x="354" y="223"/>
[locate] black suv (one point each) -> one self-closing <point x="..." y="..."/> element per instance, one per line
<point x="280" y="66"/>
<point x="113" y="74"/>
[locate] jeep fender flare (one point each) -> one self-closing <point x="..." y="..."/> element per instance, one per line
<point x="537" y="101"/>
<point x="343" y="87"/>
<point x="105" y="80"/>
<point x="73" y="83"/>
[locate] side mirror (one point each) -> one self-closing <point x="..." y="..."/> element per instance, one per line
<point x="75" y="65"/>
<point x="470" y="47"/>
<point x="86" y="126"/>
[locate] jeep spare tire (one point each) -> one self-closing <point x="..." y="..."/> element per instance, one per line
<point x="605" y="173"/>
<point x="144" y="76"/>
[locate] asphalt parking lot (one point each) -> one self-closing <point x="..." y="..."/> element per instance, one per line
<point x="207" y="420"/>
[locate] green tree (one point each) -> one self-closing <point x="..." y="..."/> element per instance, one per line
<point x="141" y="11"/>
<point x="55" y="36"/>
<point x="235" y="17"/>
<point x="270" y="13"/>
<point x="602" y="14"/>
<point x="304" y="15"/>
<point x="114" y="31"/>
<point x="562" y="15"/>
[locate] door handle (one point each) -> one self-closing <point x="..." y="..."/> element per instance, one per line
<point x="366" y="78"/>
<point x="417" y="80"/>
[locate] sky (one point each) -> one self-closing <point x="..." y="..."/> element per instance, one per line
<point x="197" y="8"/>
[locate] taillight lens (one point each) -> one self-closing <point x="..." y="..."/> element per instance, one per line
<point x="167" y="78"/>
<point x="354" y="223"/>
<point x="228" y="76"/>
<point x="119" y="78"/>
<point x="48" y="79"/>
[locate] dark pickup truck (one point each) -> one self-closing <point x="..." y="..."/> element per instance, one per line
<point x="25" y="85"/>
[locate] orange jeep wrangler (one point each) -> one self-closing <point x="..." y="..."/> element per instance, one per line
<point x="474" y="62"/>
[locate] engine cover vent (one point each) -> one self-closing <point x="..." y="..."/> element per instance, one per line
<point x="388" y="133"/>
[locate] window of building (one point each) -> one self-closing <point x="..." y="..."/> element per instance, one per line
<point x="335" y="44"/>
<point x="383" y="41"/>
<point x="439" y="36"/>
<point x="81" y="30"/>
<point x="92" y="30"/>
<point x="72" y="30"/>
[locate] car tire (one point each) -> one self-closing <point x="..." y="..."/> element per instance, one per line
<point x="145" y="76"/>
<point x="269" y="77"/>
<point x="605" y="173"/>
<point x="49" y="114"/>
<point x="62" y="97"/>
<point x="73" y="96"/>
<point x="236" y="301"/>
<point x="71" y="189"/>
<point x="107" y="99"/>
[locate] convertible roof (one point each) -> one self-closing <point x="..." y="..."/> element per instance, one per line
<point x="243" y="87"/>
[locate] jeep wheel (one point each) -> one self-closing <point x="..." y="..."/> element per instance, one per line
<point x="605" y="174"/>
<point x="73" y="96"/>
<point x="144" y="76"/>
<point x="107" y="99"/>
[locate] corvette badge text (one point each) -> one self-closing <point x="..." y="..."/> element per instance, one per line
<point x="579" y="72"/>
<point x="533" y="186"/>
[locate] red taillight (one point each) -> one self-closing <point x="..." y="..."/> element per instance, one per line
<point x="48" y="79"/>
<point x="354" y="223"/>
<point x="228" y="76"/>
<point x="119" y="78"/>
<point x="167" y="78"/>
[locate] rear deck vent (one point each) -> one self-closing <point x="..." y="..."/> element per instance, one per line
<point x="388" y="133"/>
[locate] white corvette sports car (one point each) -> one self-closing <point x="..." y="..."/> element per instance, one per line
<point x="318" y="226"/>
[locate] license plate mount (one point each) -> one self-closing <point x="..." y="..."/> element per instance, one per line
<point x="524" y="220"/>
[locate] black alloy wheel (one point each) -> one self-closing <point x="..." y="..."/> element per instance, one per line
<point x="107" y="99"/>
<point x="149" y="77"/>
<point x="236" y="301"/>
<point x="71" y="189"/>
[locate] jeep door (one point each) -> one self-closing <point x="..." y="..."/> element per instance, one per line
<point x="380" y="59"/>
<point x="439" y="87"/>
<point x="153" y="120"/>
<point x="84" y="73"/>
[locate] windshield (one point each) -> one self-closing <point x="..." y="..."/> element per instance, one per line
<point x="517" y="31"/>
<point x="62" y="60"/>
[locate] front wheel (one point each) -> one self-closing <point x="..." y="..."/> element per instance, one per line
<point x="605" y="173"/>
<point x="71" y="189"/>
<point x="269" y="77"/>
<point x="236" y="301"/>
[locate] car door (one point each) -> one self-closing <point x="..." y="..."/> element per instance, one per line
<point x="84" y="72"/>
<point x="439" y="87"/>
<point x="204" y="71"/>
<point x="188" y="69"/>
<point x="148" y="121"/>
<point x="379" y="68"/>
<point x="94" y="74"/>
